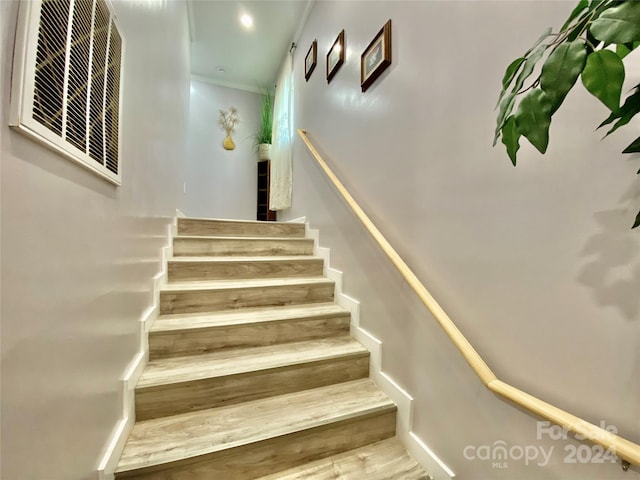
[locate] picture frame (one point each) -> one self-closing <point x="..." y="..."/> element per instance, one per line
<point x="376" y="57"/>
<point x="335" y="57"/>
<point x="310" y="60"/>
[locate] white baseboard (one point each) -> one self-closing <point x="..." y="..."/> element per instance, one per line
<point x="420" y="451"/>
<point x="121" y="431"/>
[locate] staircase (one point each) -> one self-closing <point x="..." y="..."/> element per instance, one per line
<point x="252" y="373"/>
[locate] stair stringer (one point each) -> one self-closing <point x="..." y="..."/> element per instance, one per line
<point x="120" y="433"/>
<point x="404" y="401"/>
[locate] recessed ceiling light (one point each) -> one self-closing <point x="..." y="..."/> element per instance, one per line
<point x="246" y="20"/>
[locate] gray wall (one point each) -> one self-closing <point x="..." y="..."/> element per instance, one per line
<point x="78" y="254"/>
<point x="536" y="264"/>
<point x="221" y="183"/>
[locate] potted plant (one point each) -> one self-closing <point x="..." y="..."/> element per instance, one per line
<point x="263" y="137"/>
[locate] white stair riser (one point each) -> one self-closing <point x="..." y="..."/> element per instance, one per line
<point x="188" y="226"/>
<point x="222" y="270"/>
<point x="197" y="341"/>
<point x="276" y="454"/>
<point x="192" y="246"/>
<point x="164" y="400"/>
<point x="232" y="298"/>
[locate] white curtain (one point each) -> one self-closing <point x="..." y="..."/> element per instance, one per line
<point x="282" y="141"/>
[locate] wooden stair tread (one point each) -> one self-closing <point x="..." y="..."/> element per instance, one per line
<point x="385" y="460"/>
<point x="240" y="259"/>
<point x="237" y="361"/>
<point x="199" y="285"/>
<point x="199" y="226"/>
<point x="231" y="238"/>
<point x="177" y="437"/>
<point x="235" y="221"/>
<point x="212" y="245"/>
<point x="245" y="316"/>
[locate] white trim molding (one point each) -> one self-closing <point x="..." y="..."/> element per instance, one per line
<point x="223" y="83"/>
<point x="404" y="401"/>
<point x="120" y="433"/>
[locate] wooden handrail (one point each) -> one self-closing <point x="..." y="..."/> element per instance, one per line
<point x="622" y="447"/>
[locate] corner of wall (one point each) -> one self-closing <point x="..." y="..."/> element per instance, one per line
<point x="120" y="433"/>
<point x="404" y="401"/>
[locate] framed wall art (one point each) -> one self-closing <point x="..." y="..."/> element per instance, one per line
<point x="335" y="57"/>
<point x="310" y="60"/>
<point x="376" y="57"/>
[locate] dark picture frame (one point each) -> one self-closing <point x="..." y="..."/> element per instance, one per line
<point x="376" y="57"/>
<point x="310" y="60"/>
<point x="335" y="57"/>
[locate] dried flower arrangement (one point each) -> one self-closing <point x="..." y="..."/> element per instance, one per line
<point x="229" y="120"/>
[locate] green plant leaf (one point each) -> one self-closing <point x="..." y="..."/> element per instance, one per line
<point x="603" y="76"/>
<point x="508" y="78"/>
<point x="506" y="107"/>
<point x="619" y="24"/>
<point x="561" y="70"/>
<point x="596" y="7"/>
<point x="634" y="147"/>
<point x="505" y="104"/>
<point x="511" y="71"/>
<point x="511" y="138"/>
<point x="533" y="118"/>
<point x="592" y="42"/>
<point x="542" y="38"/>
<point x="629" y="110"/>
<point x="582" y="4"/>
<point x="623" y="109"/>
<point x="622" y="50"/>
<point x="637" y="222"/>
<point x="577" y="30"/>
<point x="529" y="66"/>
<point x="527" y="70"/>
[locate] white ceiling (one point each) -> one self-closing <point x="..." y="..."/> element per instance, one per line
<point x="251" y="57"/>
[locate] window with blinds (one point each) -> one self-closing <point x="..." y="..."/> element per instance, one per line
<point x="66" y="81"/>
